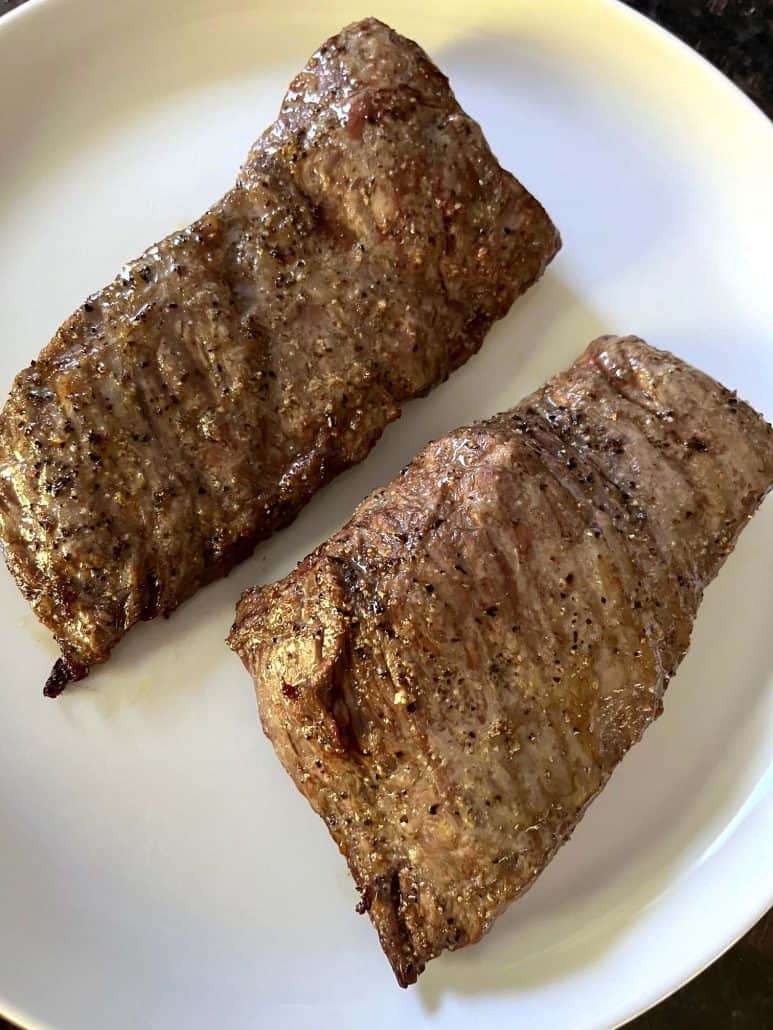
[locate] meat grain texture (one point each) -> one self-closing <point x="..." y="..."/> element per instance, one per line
<point x="191" y="407"/>
<point x="452" y="678"/>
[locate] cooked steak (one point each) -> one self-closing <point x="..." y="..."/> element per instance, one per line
<point x="452" y="678"/>
<point x="192" y="406"/>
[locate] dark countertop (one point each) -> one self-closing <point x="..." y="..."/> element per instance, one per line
<point x="736" y="992"/>
<point x="735" y="35"/>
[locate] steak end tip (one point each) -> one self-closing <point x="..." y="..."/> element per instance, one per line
<point x="65" y="671"/>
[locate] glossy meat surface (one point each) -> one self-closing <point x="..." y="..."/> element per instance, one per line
<point x="453" y="677"/>
<point x="191" y="407"/>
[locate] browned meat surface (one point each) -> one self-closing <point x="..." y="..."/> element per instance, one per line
<point x="191" y="407"/>
<point x="452" y="678"/>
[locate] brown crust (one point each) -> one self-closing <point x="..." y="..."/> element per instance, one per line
<point x="451" y="679"/>
<point x="193" y="406"/>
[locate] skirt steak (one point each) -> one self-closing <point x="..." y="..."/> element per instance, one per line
<point x="452" y="678"/>
<point x="191" y="407"/>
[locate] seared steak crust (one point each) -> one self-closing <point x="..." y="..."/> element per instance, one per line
<point x="452" y="678"/>
<point x="192" y="406"/>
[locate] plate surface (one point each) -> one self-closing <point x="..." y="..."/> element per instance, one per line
<point x="157" y="867"/>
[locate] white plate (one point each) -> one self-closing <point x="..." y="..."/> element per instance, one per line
<point x="157" y="867"/>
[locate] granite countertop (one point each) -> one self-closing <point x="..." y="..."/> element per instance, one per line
<point x="735" y="35"/>
<point x="737" y="990"/>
